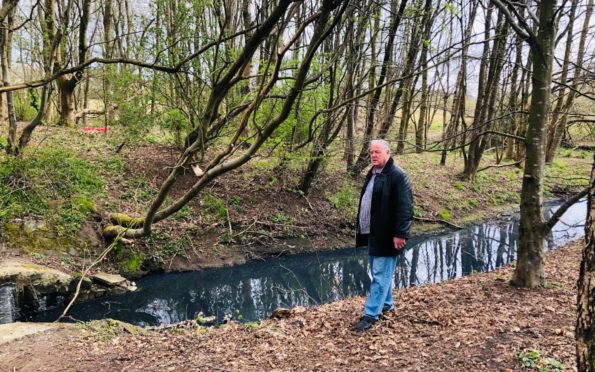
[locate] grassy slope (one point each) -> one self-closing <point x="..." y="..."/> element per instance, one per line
<point x="249" y="213"/>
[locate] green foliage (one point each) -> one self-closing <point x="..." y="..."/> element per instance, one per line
<point x="532" y="359"/>
<point x="459" y="185"/>
<point x="50" y="182"/>
<point x="38" y="256"/>
<point x="251" y="326"/>
<point x="345" y="200"/>
<point x="176" y="122"/>
<point x="25" y="105"/>
<point x="213" y="207"/>
<point x="184" y="214"/>
<point x="138" y="190"/>
<point x="168" y="246"/>
<point x="132" y="264"/>
<point x="235" y="200"/>
<point x="113" y="164"/>
<point x="444" y="214"/>
<point x="418" y="211"/>
<point x="281" y="218"/>
<point x="553" y="285"/>
<point x="452" y="8"/>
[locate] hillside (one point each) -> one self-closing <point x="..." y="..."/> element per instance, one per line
<point x="57" y="197"/>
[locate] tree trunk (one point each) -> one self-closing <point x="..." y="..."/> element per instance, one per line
<point x="458" y="103"/>
<point x="108" y="30"/>
<point x="514" y="102"/>
<point x="563" y="106"/>
<point x="6" y="23"/>
<point x="585" y="324"/>
<point x="67" y="111"/>
<point x="362" y="159"/>
<point x="529" y="268"/>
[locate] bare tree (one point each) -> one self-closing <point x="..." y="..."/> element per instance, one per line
<point x="533" y="228"/>
<point x="558" y="124"/>
<point x="585" y="324"/>
<point x="231" y="155"/>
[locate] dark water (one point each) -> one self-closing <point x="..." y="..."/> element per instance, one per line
<point x="254" y="290"/>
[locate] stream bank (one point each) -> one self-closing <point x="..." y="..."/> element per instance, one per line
<point x="477" y="323"/>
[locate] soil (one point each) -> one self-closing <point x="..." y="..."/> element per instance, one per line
<point x="477" y="323"/>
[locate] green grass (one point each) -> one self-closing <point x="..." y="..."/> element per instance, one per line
<point x="50" y="182"/>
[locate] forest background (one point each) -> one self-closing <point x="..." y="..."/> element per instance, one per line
<point x="205" y="133"/>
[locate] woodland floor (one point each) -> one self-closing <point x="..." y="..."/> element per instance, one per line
<point x="477" y="323"/>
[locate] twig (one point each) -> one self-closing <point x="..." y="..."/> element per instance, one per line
<point x="246" y="229"/>
<point x="86" y="271"/>
<point x="228" y="221"/>
<point x="500" y="166"/>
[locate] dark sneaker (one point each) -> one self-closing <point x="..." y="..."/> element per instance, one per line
<point x="365" y="322"/>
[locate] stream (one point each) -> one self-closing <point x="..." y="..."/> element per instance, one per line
<point x="252" y="291"/>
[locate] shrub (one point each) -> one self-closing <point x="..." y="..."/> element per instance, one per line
<point x="212" y="206"/>
<point x="345" y="200"/>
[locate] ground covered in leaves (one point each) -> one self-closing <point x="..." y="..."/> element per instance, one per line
<point x="475" y="323"/>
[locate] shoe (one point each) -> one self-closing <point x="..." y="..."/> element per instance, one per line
<point x="365" y="322"/>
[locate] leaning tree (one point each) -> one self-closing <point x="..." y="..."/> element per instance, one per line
<point x="275" y="94"/>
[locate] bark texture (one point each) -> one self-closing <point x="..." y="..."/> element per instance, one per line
<point x="585" y="327"/>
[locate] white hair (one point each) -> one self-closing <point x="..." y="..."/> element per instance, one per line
<point x="384" y="144"/>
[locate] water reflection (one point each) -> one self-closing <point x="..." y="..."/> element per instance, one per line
<point x="8" y="303"/>
<point x="254" y="290"/>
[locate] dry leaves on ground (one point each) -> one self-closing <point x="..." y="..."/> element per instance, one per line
<point x="475" y="323"/>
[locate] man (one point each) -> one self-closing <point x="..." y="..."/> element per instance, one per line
<point x="384" y="218"/>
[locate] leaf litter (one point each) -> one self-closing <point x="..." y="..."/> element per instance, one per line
<point x="477" y="323"/>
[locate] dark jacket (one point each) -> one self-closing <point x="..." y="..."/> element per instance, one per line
<point x="391" y="211"/>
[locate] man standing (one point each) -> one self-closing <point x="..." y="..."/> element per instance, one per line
<point x="384" y="218"/>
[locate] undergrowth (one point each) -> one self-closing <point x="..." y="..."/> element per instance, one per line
<point x="50" y="183"/>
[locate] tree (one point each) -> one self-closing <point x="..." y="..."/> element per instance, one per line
<point x="230" y="155"/>
<point x="558" y="124"/>
<point x="585" y="324"/>
<point x="533" y="228"/>
<point x="372" y="108"/>
<point x="491" y="68"/>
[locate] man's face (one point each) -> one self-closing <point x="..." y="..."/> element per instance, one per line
<point x="378" y="155"/>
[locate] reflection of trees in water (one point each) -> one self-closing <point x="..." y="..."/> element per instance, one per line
<point x="256" y="289"/>
<point x="480" y="249"/>
<point x="8" y="303"/>
<point x="256" y="294"/>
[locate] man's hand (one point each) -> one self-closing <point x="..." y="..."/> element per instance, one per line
<point x="399" y="243"/>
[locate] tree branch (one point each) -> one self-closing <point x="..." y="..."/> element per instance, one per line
<point x="525" y="31"/>
<point x="563" y="208"/>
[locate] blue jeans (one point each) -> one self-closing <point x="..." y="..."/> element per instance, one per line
<point x="381" y="289"/>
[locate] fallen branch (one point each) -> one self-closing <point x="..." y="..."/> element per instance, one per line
<point x="438" y="220"/>
<point x="500" y="166"/>
<point x="86" y="272"/>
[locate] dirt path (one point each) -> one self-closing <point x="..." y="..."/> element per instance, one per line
<point x="474" y="323"/>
